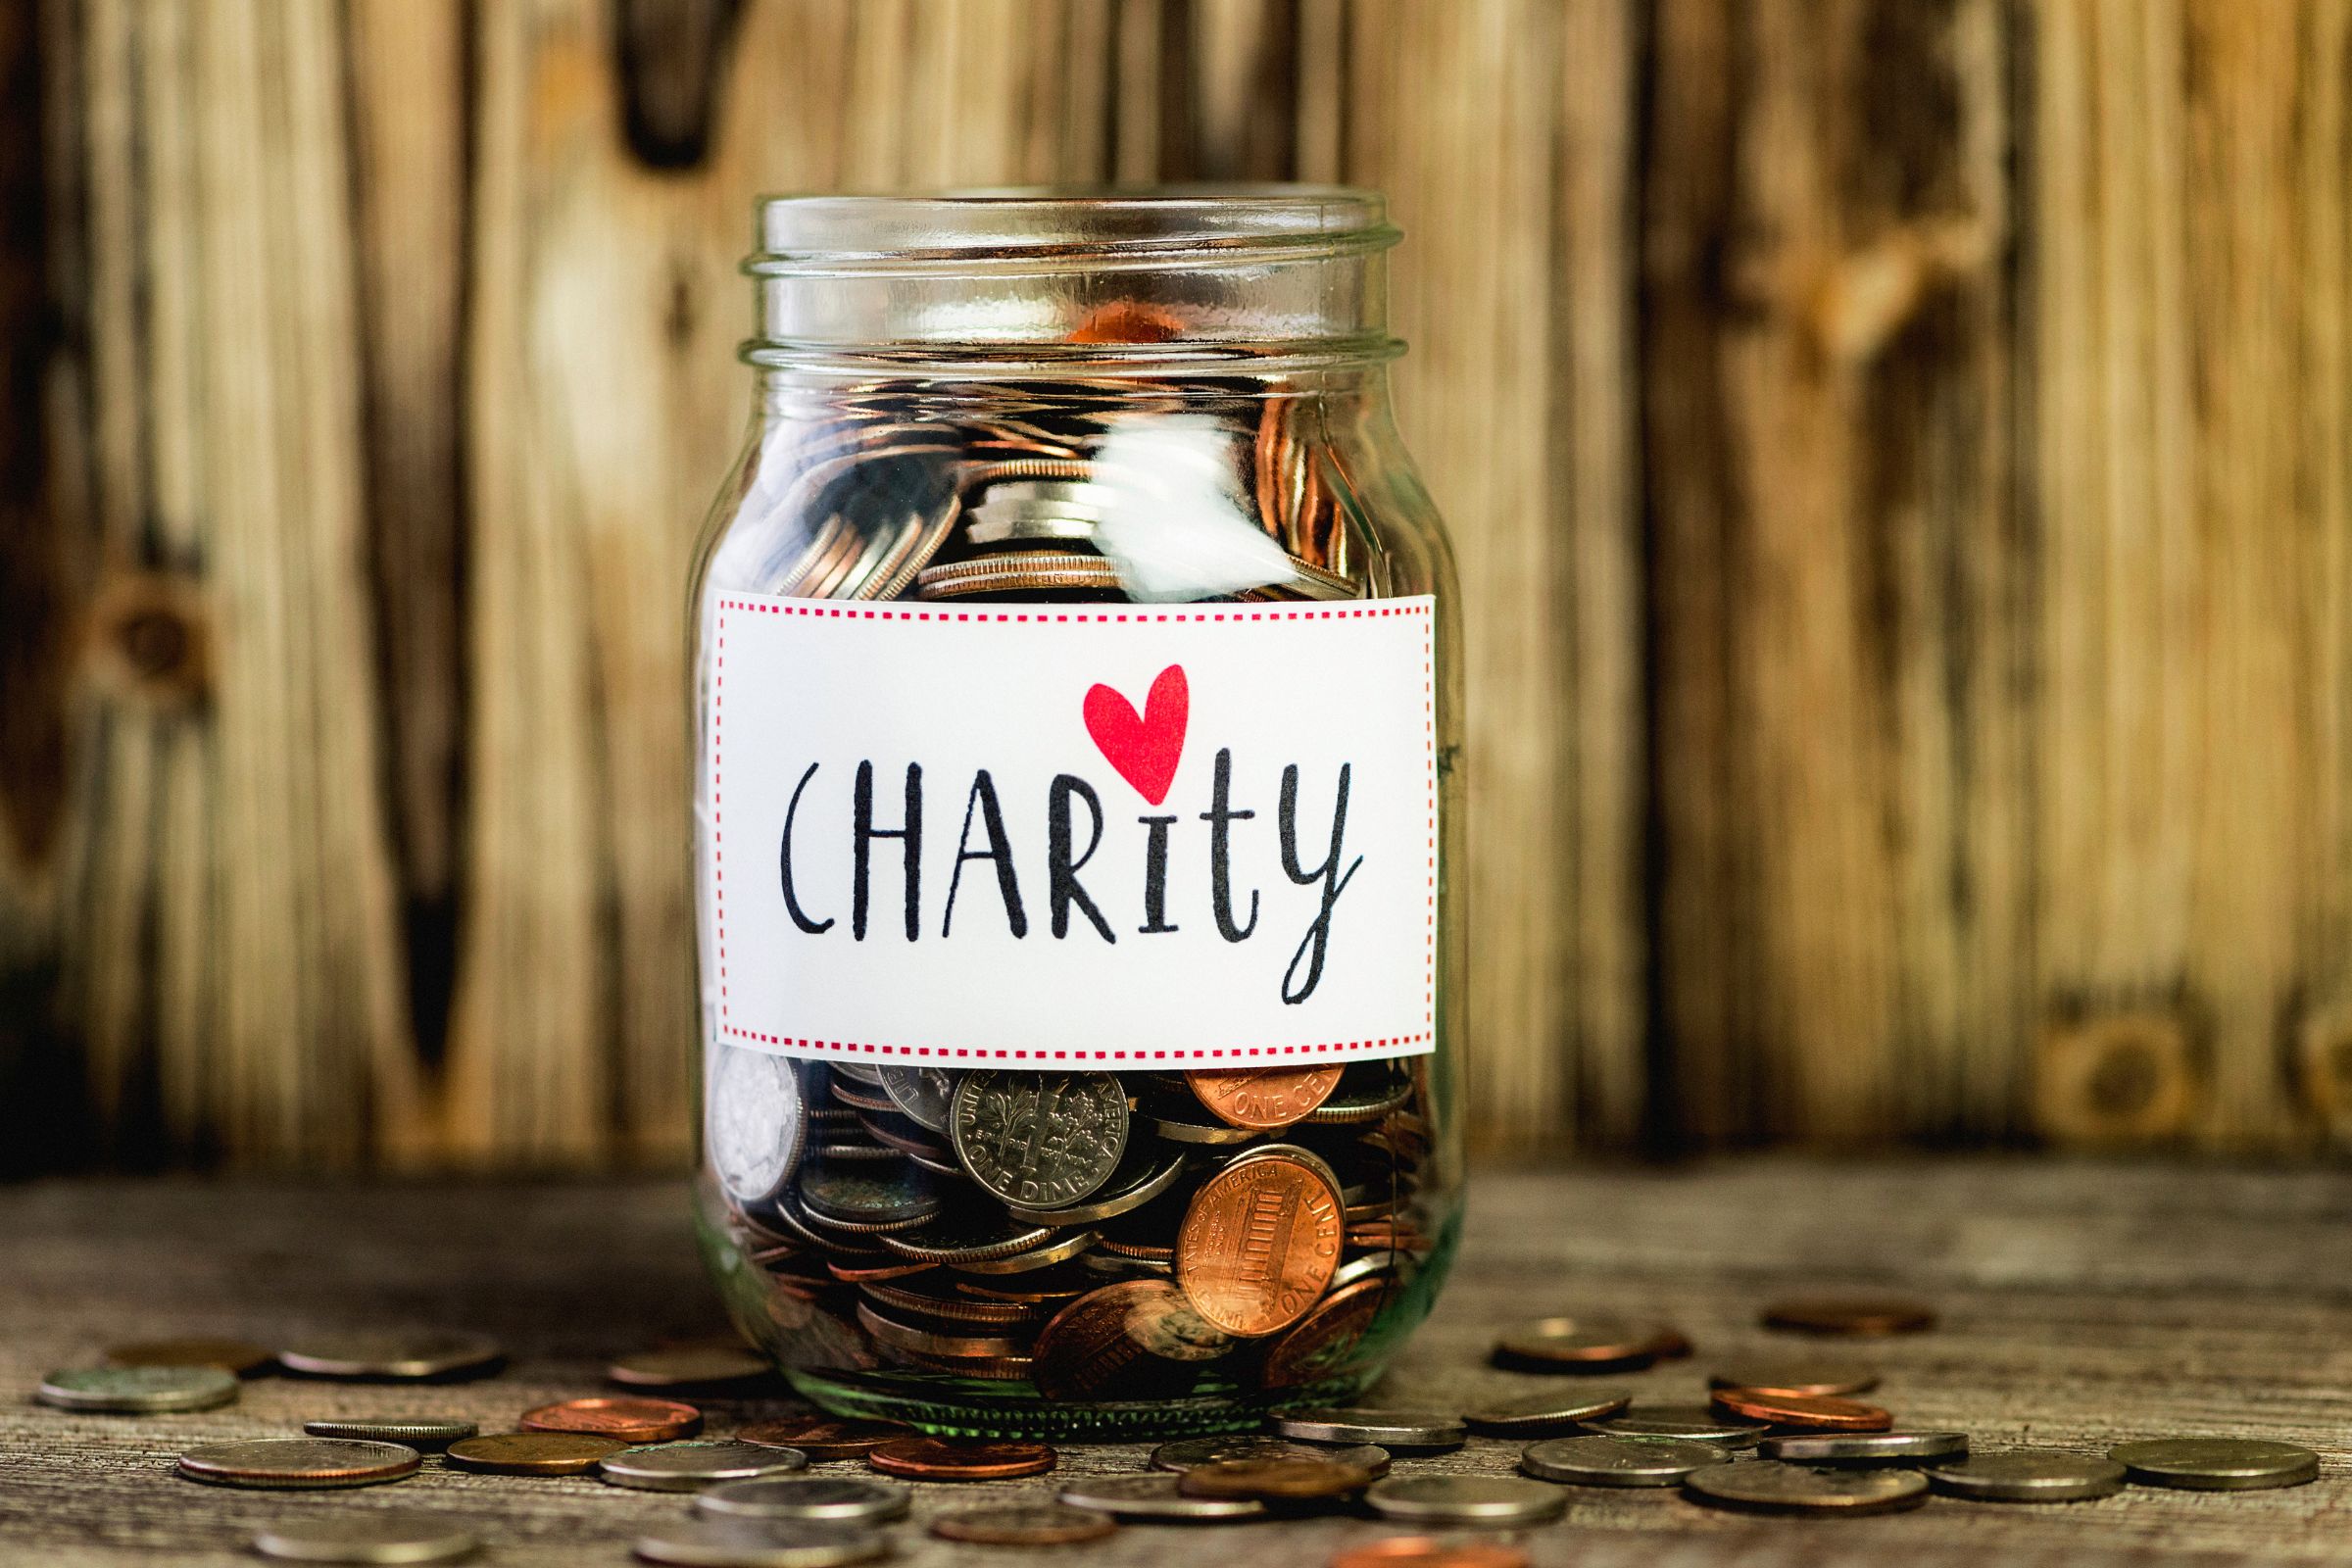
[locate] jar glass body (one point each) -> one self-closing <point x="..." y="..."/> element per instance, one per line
<point x="1000" y="1331"/>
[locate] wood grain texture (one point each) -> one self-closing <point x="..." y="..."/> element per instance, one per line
<point x="2081" y="1306"/>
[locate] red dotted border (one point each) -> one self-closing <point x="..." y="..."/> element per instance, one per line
<point x="1394" y="1045"/>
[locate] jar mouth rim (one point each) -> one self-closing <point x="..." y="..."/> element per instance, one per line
<point x="1064" y="228"/>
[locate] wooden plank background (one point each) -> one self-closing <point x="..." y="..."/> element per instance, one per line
<point x="1899" y="454"/>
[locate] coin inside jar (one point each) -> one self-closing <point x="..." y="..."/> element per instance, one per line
<point x="2217" y="1464"/>
<point x="1039" y="1138"/>
<point x="842" y="1499"/>
<point x="1599" y="1461"/>
<point x="755" y="1124"/>
<point x="1125" y="1341"/>
<point x="299" y="1463"/>
<point x="630" y="1420"/>
<point x="533" y="1453"/>
<point x="2028" y="1475"/>
<point x="1770" y="1487"/>
<point x="1260" y="1241"/>
<point x="690" y="1466"/>
<point x="373" y="1536"/>
<point x="960" y="1459"/>
<point x="1024" y="1524"/>
<point x="1262" y="1096"/>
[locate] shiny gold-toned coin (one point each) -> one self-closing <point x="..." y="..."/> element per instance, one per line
<point x="1017" y="571"/>
<point x="533" y="1453"/>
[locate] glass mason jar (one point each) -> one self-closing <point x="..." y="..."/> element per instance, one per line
<point x="1077" y="815"/>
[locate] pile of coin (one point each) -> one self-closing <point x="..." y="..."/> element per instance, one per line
<point x="1093" y="1237"/>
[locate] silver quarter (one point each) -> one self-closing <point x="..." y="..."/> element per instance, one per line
<point x="1154" y="1496"/>
<point x="416" y="1430"/>
<point x="1489" y="1501"/>
<point x="692" y="1467"/>
<point x="924" y="1094"/>
<point x="1039" y="1138"/>
<point x="760" y="1544"/>
<point x="864" y="1198"/>
<point x="1865" y="1448"/>
<point x="1190" y="1453"/>
<point x="2028" y="1475"/>
<point x="835" y="1500"/>
<point x="1684" y="1423"/>
<point x="375" y="1536"/>
<point x="1389" y="1429"/>
<point x="756" y="1122"/>
<point x="392" y="1354"/>
<point x="1770" y="1487"/>
<point x="1618" y="1461"/>
<point x="299" y="1463"/>
<point x="138" y="1390"/>
<point x="2217" y="1464"/>
<point x="1544" y="1414"/>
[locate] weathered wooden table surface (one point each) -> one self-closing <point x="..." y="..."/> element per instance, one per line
<point x="2081" y="1306"/>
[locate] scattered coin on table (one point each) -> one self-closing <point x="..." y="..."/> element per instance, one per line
<point x="376" y="1535"/>
<point x="1388" y="1429"/>
<point x="394" y="1355"/>
<point x="229" y="1356"/>
<point x="1186" y="1454"/>
<point x="533" y="1453"/>
<point x="1154" y="1494"/>
<point x="632" y="1420"/>
<point x="1274" y="1479"/>
<point x="1770" y="1487"/>
<point x="1804" y="1412"/>
<point x="1490" y="1503"/>
<point x="759" y="1544"/>
<point x="1864" y="1447"/>
<point x="138" y="1390"/>
<point x="1542" y="1415"/>
<point x="1599" y="1461"/>
<point x="841" y="1499"/>
<point x="823" y="1437"/>
<point x="416" y="1430"/>
<point x="2028" y="1475"/>
<point x="688" y="1366"/>
<point x="1860" y="1316"/>
<point x="960" y="1459"/>
<point x="2217" y="1464"/>
<point x="1687" y="1423"/>
<point x="691" y="1466"/>
<point x="1427" y="1551"/>
<point x="1584" y="1343"/>
<point x="1024" y="1524"/>
<point x="299" y="1463"/>
<point x="1796" y="1380"/>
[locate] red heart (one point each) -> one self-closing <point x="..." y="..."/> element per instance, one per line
<point x="1144" y="747"/>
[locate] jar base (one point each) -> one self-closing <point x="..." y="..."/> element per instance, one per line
<point x="967" y="1407"/>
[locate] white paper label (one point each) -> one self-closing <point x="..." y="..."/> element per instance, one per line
<point x="1129" y="835"/>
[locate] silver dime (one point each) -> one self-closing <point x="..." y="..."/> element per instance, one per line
<point x="1865" y="1448"/>
<point x="691" y="1466"/>
<point x="138" y="1390"/>
<point x="1191" y="1453"/>
<point x="1543" y="1415"/>
<point x="1154" y="1496"/>
<point x="1685" y="1423"/>
<point x="1491" y="1501"/>
<point x="1391" y="1429"/>
<point x="759" y="1544"/>
<point x="1142" y="1176"/>
<point x="839" y="1500"/>
<point x="924" y="1094"/>
<point x="416" y="1430"/>
<point x="299" y="1463"/>
<point x="1774" y="1488"/>
<point x="1039" y="1138"/>
<point x="2217" y="1464"/>
<point x="2028" y="1475"/>
<point x="394" y="1353"/>
<point x="373" y="1536"/>
<point x="1618" y="1461"/>
<point x="756" y="1122"/>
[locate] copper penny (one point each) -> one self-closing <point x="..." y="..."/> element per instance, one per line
<point x="1796" y="1380"/>
<point x="823" y="1437"/>
<point x="1860" y="1316"/>
<point x="1262" y="1096"/>
<point x="229" y="1356"/>
<point x="1581" y="1343"/>
<point x="630" y="1420"/>
<point x="1274" y="1479"/>
<point x="1807" y="1412"/>
<point x="1324" y="1341"/>
<point x="1125" y="1341"/>
<point x="1259" y="1242"/>
<point x="533" y="1453"/>
<point x="959" y="1460"/>
<point x="1025" y="1524"/>
<point x="1427" y="1551"/>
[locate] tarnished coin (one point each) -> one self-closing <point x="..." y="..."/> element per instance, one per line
<point x="688" y="1366"/>
<point x="395" y="1354"/>
<point x="1260" y="1241"/>
<point x="1489" y="1501"/>
<point x="415" y="1431"/>
<point x="1684" y="1423"/>
<point x="1039" y="1138"/>
<point x="1864" y="1447"/>
<point x="1262" y="1096"/>
<point x="1861" y="1317"/>
<point x="759" y="1544"/>
<point x="630" y="1420"/>
<point x="924" y="1094"/>
<point x="1024" y="1524"/>
<point x="858" y="1197"/>
<point x="1797" y="1380"/>
<point x="1274" y="1479"/>
<point x="1771" y="1487"/>
<point x="1587" y="1342"/>
<point x="930" y="1342"/>
<point x="1154" y="1494"/>
<point x="1326" y="1341"/>
<point x="1804" y="1412"/>
<point x="1186" y="1454"/>
<point x="823" y="1437"/>
<point x="1122" y="1342"/>
<point x="1618" y="1461"/>
<point x="1425" y="1551"/>
<point x="373" y="1536"/>
<point x="841" y="1499"/>
<point x="533" y="1453"/>
<point x="691" y="1466"/>
<point x="2217" y="1464"/>
<point x="229" y="1356"/>
<point x="2028" y="1475"/>
<point x="756" y="1122"/>
<point x="299" y="1463"/>
<point x="137" y="1390"/>
<point x="1543" y="1414"/>
<point x="1389" y="1429"/>
<point x="960" y="1459"/>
